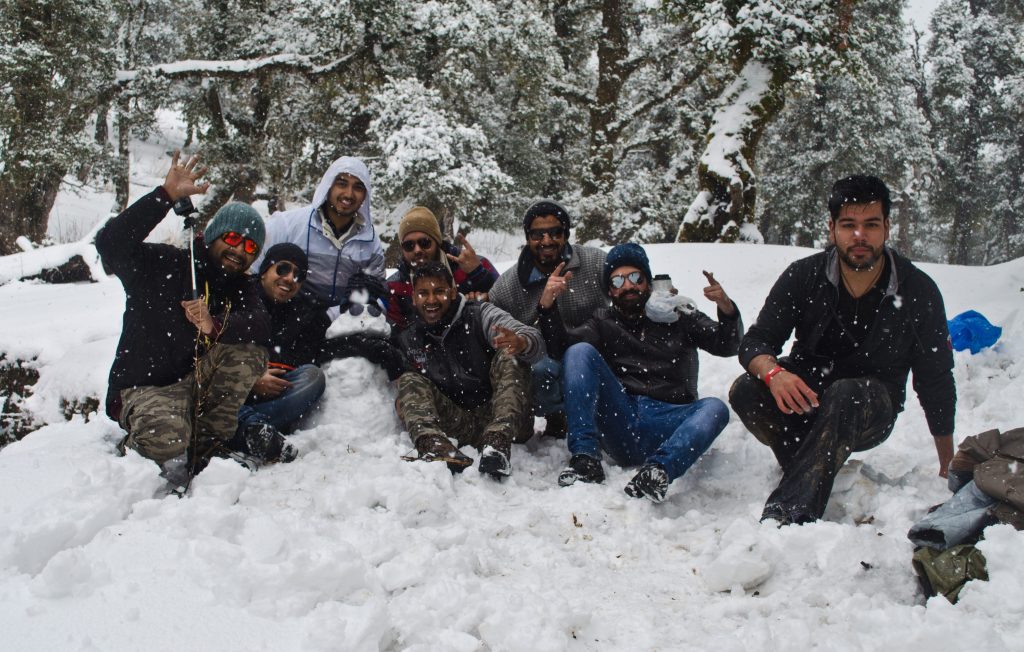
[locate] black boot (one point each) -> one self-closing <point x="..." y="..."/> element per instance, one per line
<point x="583" y="468"/>
<point x="495" y="451"/>
<point x="264" y="442"/>
<point x="650" y="482"/>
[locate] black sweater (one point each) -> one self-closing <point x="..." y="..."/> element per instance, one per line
<point x="910" y="332"/>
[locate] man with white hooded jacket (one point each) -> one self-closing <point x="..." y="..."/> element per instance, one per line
<point x="335" y="231"/>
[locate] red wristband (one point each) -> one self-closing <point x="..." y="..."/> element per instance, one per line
<point x="774" y="370"/>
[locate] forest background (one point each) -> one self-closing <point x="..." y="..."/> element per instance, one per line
<point x="654" y="121"/>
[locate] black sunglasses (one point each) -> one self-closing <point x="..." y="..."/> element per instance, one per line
<point x="285" y="268"/>
<point x="424" y="243"/>
<point x="356" y="309"/>
<point x="555" y="232"/>
<point x="619" y="280"/>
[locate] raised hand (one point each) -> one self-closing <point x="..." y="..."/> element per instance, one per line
<point x="181" y="180"/>
<point x="508" y="341"/>
<point x="556" y="285"/>
<point x="467" y="260"/>
<point x="715" y="292"/>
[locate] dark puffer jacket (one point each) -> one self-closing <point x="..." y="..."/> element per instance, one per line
<point x="649" y="358"/>
<point x="298" y="327"/>
<point x="157" y="344"/>
<point x="910" y="332"/>
<point x="456" y="354"/>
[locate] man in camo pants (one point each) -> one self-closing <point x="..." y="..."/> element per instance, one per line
<point x="155" y="390"/>
<point x="473" y="377"/>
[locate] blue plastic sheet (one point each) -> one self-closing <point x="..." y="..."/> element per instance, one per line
<point x="970" y="330"/>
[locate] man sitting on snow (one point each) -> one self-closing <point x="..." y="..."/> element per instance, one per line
<point x="546" y="224"/>
<point x="184" y="366"/>
<point x="420" y="237"/>
<point x="471" y="382"/>
<point x="864" y="316"/>
<point x="631" y="382"/>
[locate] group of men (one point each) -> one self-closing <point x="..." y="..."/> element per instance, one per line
<point x="578" y="336"/>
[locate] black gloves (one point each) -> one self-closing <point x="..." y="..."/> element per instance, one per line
<point x="374" y="348"/>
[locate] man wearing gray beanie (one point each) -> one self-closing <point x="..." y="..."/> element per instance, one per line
<point x="185" y="364"/>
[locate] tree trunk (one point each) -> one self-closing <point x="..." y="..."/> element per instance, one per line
<point x="725" y="202"/>
<point x="25" y="203"/>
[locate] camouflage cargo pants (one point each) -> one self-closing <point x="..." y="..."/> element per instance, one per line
<point x="506" y="417"/>
<point x="159" y="420"/>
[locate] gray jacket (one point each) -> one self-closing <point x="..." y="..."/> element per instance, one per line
<point x="518" y="290"/>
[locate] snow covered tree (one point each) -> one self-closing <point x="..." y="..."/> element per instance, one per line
<point x="55" y="59"/>
<point x="766" y="44"/>
<point x="863" y="121"/>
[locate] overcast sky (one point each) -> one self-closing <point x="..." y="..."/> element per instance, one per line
<point x="920" y="11"/>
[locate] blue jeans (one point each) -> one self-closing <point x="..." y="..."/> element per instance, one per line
<point x="633" y="429"/>
<point x="308" y="385"/>
<point x="547" y="386"/>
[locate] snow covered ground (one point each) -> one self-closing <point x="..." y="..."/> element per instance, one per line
<point x="350" y="548"/>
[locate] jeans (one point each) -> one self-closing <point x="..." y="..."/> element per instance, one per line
<point x="633" y="429"/>
<point x="308" y="385"/>
<point x="547" y="386"/>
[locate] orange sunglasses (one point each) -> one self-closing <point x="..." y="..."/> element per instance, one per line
<point x="233" y="239"/>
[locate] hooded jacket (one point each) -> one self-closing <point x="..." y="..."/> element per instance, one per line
<point x="157" y="344"/>
<point x="456" y="354"/>
<point x="910" y="332"/>
<point x="330" y="266"/>
<point x="400" y="310"/>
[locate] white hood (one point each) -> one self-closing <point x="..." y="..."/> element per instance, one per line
<point x="346" y="165"/>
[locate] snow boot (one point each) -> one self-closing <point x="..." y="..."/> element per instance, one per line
<point x="264" y="442"/>
<point x="650" y="482"/>
<point x="556" y="425"/>
<point x="494" y="456"/>
<point x="437" y="448"/>
<point x="583" y="468"/>
<point x="175" y="472"/>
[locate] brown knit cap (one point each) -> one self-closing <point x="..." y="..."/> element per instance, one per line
<point x="420" y="219"/>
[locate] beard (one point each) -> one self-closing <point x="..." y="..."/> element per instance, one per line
<point x="631" y="302"/>
<point x="862" y="262"/>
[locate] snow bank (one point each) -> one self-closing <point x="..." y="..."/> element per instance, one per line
<point x="350" y="548"/>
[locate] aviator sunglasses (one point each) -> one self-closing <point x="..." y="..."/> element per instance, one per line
<point x="285" y="268"/>
<point x="555" y="232"/>
<point x="233" y="239"/>
<point x="619" y="280"/>
<point x="424" y="243"/>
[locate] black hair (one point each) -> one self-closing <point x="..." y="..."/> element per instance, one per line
<point x="858" y="189"/>
<point x="433" y="269"/>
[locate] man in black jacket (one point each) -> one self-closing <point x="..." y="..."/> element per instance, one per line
<point x="183" y="366"/>
<point x="864" y="316"/>
<point x="631" y="382"/>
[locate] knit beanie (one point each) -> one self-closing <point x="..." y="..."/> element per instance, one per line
<point x="626" y="254"/>
<point x="285" y="251"/>
<point x="420" y="219"/>
<point x="547" y="207"/>
<point x="238" y="217"/>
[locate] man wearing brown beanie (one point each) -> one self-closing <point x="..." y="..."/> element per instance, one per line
<point x="421" y="240"/>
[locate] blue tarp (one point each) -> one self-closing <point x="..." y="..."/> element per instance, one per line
<point x="970" y="330"/>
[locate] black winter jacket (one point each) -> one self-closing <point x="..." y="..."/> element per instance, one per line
<point x="157" y="344"/>
<point x="298" y="327"/>
<point x="649" y="358"/>
<point x="910" y="332"/>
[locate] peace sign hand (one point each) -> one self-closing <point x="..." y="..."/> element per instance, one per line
<point x="715" y="292"/>
<point x="467" y="260"/>
<point x="556" y="285"/>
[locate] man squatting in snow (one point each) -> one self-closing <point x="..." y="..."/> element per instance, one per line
<point x="631" y="381"/>
<point x="172" y="345"/>
<point x="472" y="379"/>
<point x="864" y="316"/>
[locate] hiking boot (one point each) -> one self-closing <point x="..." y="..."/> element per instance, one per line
<point x="437" y="448"/>
<point x="555" y="425"/>
<point x="583" y="468"/>
<point x="264" y="442"/>
<point x="175" y="472"/>
<point x="650" y="482"/>
<point x="787" y="514"/>
<point x="495" y="451"/>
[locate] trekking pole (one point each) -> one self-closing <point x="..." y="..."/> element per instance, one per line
<point x="185" y="209"/>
